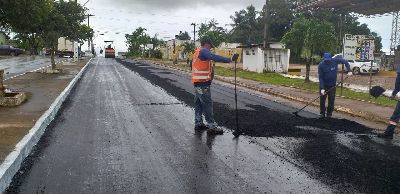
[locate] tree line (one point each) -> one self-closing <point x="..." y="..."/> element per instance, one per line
<point x="307" y="34"/>
<point x="39" y="23"/>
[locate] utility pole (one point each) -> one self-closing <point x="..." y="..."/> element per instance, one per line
<point x="395" y="39"/>
<point x="266" y="26"/>
<point x="88" y="22"/>
<point x="194" y="34"/>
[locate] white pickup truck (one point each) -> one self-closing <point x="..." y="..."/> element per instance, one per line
<point x="361" y="67"/>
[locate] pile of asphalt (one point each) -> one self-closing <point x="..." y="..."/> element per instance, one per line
<point x="376" y="91"/>
<point x="360" y="164"/>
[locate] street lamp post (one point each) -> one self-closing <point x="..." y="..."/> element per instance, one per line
<point x="194" y="33"/>
<point x="90" y="39"/>
<point x="266" y="25"/>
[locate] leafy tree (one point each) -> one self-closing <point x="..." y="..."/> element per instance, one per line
<point x="155" y="51"/>
<point x="43" y="19"/>
<point x="378" y="42"/>
<point x="157" y="54"/>
<point x="345" y="23"/>
<point x="84" y="33"/>
<point x="22" y="40"/>
<point x="211" y="29"/>
<point x="136" y="42"/>
<point x="26" y="17"/>
<point x="246" y="26"/>
<point x="188" y="48"/>
<point x="52" y="32"/>
<point x="280" y="18"/>
<point x="315" y="36"/>
<point x="183" y="36"/>
<point x="64" y="19"/>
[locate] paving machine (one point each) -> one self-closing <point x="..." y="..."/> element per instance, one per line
<point x="109" y="50"/>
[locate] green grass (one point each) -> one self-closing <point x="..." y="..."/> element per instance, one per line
<point x="276" y="79"/>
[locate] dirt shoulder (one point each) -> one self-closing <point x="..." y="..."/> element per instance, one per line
<point x="42" y="89"/>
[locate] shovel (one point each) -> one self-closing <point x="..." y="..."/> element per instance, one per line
<point x="378" y="91"/>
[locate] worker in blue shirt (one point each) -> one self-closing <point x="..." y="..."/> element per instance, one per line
<point x="394" y="119"/>
<point x="327" y="73"/>
<point x="202" y="76"/>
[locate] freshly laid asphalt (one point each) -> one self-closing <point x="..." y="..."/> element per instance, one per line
<point x="128" y="128"/>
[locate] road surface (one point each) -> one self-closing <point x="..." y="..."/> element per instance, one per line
<point x="22" y="64"/>
<point x="128" y="128"/>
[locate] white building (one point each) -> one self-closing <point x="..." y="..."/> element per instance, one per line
<point x="174" y="49"/>
<point x="274" y="59"/>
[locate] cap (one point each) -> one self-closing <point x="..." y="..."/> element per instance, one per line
<point x="327" y="56"/>
<point x="207" y="40"/>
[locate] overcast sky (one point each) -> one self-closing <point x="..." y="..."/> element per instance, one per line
<point x="167" y="17"/>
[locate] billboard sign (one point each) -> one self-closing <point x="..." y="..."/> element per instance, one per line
<point x="359" y="47"/>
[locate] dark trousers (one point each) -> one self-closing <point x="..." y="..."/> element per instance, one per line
<point x="331" y="95"/>
<point x="394" y="119"/>
<point x="396" y="114"/>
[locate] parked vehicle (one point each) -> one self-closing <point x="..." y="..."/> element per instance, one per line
<point x="65" y="48"/>
<point x="10" y="50"/>
<point x="361" y="67"/>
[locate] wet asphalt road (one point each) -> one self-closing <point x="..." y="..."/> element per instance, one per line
<point x="22" y="64"/>
<point x="128" y="128"/>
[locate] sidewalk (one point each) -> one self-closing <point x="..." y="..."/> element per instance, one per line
<point x="42" y="89"/>
<point x="351" y="107"/>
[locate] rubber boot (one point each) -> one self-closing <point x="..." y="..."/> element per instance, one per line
<point x="388" y="132"/>
<point x="200" y="127"/>
<point x="215" y="131"/>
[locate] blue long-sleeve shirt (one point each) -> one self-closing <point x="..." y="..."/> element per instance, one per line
<point x="204" y="55"/>
<point x="397" y="84"/>
<point x="327" y="72"/>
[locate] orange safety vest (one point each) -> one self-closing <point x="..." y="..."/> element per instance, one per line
<point x="201" y="70"/>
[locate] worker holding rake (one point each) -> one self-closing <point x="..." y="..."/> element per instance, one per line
<point x="327" y="72"/>
<point x="202" y="76"/>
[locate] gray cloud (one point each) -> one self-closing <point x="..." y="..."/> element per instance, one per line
<point x="168" y="17"/>
<point x="177" y="4"/>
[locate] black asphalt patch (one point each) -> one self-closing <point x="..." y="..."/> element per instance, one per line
<point x="366" y="163"/>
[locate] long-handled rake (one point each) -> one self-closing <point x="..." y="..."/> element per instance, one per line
<point x="311" y="102"/>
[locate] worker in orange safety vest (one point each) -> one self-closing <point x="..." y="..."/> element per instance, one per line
<point x="202" y="76"/>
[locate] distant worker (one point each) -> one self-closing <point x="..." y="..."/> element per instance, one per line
<point x="202" y="76"/>
<point x="394" y="119"/>
<point x="327" y="73"/>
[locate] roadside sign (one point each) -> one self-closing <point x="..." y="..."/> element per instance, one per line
<point x="149" y="46"/>
<point x="359" y="47"/>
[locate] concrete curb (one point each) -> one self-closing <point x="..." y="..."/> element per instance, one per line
<point x="13" y="161"/>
